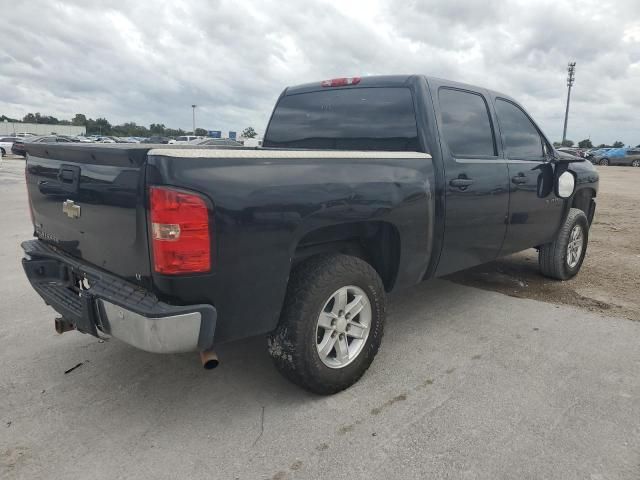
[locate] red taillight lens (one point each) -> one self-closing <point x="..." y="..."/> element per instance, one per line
<point x="180" y="231"/>
<point x="340" y="82"/>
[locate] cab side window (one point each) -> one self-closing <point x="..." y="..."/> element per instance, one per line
<point x="465" y="123"/>
<point x="520" y="137"/>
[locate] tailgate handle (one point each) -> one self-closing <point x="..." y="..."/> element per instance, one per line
<point x="69" y="177"/>
<point x="66" y="176"/>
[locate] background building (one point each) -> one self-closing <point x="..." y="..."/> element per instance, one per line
<point x="11" y="128"/>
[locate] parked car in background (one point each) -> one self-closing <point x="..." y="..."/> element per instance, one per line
<point x="221" y="142"/>
<point x="69" y="138"/>
<point x="183" y="139"/>
<point x="25" y="134"/>
<point x="252" y="142"/>
<point x="628" y="157"/>
<point x="570" y="151"/>
<point x="594" y="152"/>
<point x="18" y="147"/>
<point x="156" y="139"/>
<point x="6" y="143"/>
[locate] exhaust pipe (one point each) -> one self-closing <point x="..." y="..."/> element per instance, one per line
<point x="209" y="360"/>
<point x="63" y="325"/>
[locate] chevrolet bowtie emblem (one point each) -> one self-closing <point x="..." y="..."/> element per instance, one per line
<point x="70" y="209"/>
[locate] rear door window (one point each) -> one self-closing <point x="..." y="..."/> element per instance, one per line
<point x="466" y="125"/>
<point x="520" y="136"/>
<point x="345" y="119"/>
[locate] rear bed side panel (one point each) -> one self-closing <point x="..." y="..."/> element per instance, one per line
<point x="266" y="202"/>
<point x="110" y="230"/>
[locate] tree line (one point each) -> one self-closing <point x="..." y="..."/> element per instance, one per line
<point x="586" y="143"/>
<point x="101" y="126"/>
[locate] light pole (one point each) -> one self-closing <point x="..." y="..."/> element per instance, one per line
<point x="571" y="68"/>
<point x="193" y="107"/>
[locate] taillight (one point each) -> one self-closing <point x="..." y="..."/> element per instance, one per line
<point x="340" y="82"/>
<point x="180" y="231"/>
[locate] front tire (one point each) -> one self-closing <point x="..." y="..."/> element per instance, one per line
<point x="635" y="163"/>
<point x="604" y="162"/>
<point x="331" y="324"/>
<point x="562" y="258"/>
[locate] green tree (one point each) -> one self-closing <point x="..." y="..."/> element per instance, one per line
<point x="249" y="132"/>
<point x="157" y="128"/>
<point x="586" y="143"/>
<point x="201" y="132"/>
<point x="618" y="144"/>
<point x="80" y="119"/>
<point x="567" y="143"/>
<point x="173" y="132"/>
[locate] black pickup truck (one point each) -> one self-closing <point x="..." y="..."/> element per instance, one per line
<point x="363" y="186"/>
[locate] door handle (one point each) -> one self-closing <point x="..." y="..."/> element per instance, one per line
<point x="461" y="183"/>
<point x="519" y="179"/>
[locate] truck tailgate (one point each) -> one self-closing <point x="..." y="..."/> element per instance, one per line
<point x="89" y="201"/>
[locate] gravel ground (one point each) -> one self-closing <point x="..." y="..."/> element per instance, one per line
<point x="609" y="281"/>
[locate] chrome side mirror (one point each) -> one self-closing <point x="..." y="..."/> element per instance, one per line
<point x="565" y="184"/>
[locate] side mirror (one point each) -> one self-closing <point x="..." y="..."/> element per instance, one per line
<point x="565" y="184"/>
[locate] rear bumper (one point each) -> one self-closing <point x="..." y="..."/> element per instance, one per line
<point x="114" y="307"/>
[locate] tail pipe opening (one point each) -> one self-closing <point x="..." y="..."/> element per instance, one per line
<point x="209" y="360"/>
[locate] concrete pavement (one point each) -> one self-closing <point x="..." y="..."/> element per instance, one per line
<point x="468" y="384"/>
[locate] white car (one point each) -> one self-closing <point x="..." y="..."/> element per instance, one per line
<point x="183" y="139"/>
<point x="5" y="145"/>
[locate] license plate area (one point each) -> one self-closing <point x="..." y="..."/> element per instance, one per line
<point x="78" y="282"/>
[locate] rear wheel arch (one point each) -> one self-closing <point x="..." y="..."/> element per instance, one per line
<point x="375" y="242"/>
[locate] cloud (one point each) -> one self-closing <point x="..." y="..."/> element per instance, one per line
<point x="149" y="61"/>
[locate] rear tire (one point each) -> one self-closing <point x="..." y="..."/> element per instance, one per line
<point x="562" y="258"/>
<point x="318" y="344"/>
<point x="604" y="162"/>
<point x="3" y="152"/>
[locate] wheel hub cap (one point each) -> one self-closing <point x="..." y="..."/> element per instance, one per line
<point x="343" y="326"/>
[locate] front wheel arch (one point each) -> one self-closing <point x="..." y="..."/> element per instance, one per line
<point x="552" y="256"/>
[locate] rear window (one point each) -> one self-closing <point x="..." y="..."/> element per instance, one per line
<point x="466" y="124"/>
<point x="345" y="119"/>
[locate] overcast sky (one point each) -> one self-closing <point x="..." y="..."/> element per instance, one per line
<point x="148" y="61"/>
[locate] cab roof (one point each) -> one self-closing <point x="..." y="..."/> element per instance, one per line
<point x="385" y="81"/>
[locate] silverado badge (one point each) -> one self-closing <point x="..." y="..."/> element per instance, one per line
<point x="70" y="209"/>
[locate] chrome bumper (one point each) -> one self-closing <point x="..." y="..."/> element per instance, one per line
<point x="170" y="334"/>
<point x="114" y="307"/>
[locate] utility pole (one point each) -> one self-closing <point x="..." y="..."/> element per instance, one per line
<point x="571" y="69"/>
<point x="193" y="107"/>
